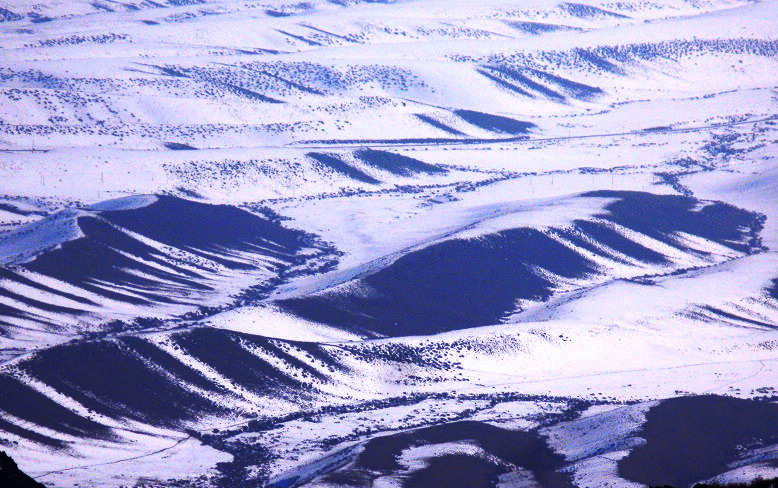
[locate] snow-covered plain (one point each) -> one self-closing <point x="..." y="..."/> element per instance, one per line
<point x="356" y="243"/>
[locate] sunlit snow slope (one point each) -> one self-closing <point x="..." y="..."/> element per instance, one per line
<point x="413" y="243"/>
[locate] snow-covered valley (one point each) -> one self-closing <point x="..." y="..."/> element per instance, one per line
<point x="412" y="243"/>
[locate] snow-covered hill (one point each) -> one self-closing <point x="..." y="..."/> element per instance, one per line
<point x="412" y="243"/>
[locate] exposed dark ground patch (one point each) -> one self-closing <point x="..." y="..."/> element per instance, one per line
<point x="246" y="93"/>
<point x="198" y="228"/>
<point x="396" y="163"/>
<point x="504" y="84"/>
<point x="756" y="483"/>
<point x="130" y="377"/>
<point x="12" y="477"/>
<point x="772" y="290"/>
<point x="690" y="439"/>
<point x="111" y="262"/>
<point x="525" y="449"/>
<point x="109" y="378"/>
<point x="179" y="146"/>
<point x="527" y="82"/>
<point x="572" y="88"/>
<point x="738" y="318"/>
<point x="536" y="28"/>
<point x="223" y="352"/>
<point x="340" y="166"/>
<point x="438" y="124"/>
<point x="660" y="215"/>
<point x="10" y="207"/>
<point x="495" y="123"/>
<point x="454" y="284"/>
<point x="588" y="11"/>
<point x="598" y="61"/>
<point x="25" y="403"/>
<point x="462" y="283"/>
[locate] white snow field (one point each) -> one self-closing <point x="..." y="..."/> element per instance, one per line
<point x="389" y="244"/>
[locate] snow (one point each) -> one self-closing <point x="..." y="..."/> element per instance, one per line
<point x="115" y="109"/>
<point x="27" y="241"/>
<point x="125" y="203"/>
<point x="269" y="321"/>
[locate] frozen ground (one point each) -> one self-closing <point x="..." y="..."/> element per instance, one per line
<point x="408" y="244"/>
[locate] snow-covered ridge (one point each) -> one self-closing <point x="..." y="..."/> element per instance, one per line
<point x="144" y="256"/>
<point x="484" y="279"/>
<point x="371" y="244"/>
<point x="24" y="243"/>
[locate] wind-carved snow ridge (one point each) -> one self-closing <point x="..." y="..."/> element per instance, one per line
<point x="395" y="244"/>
